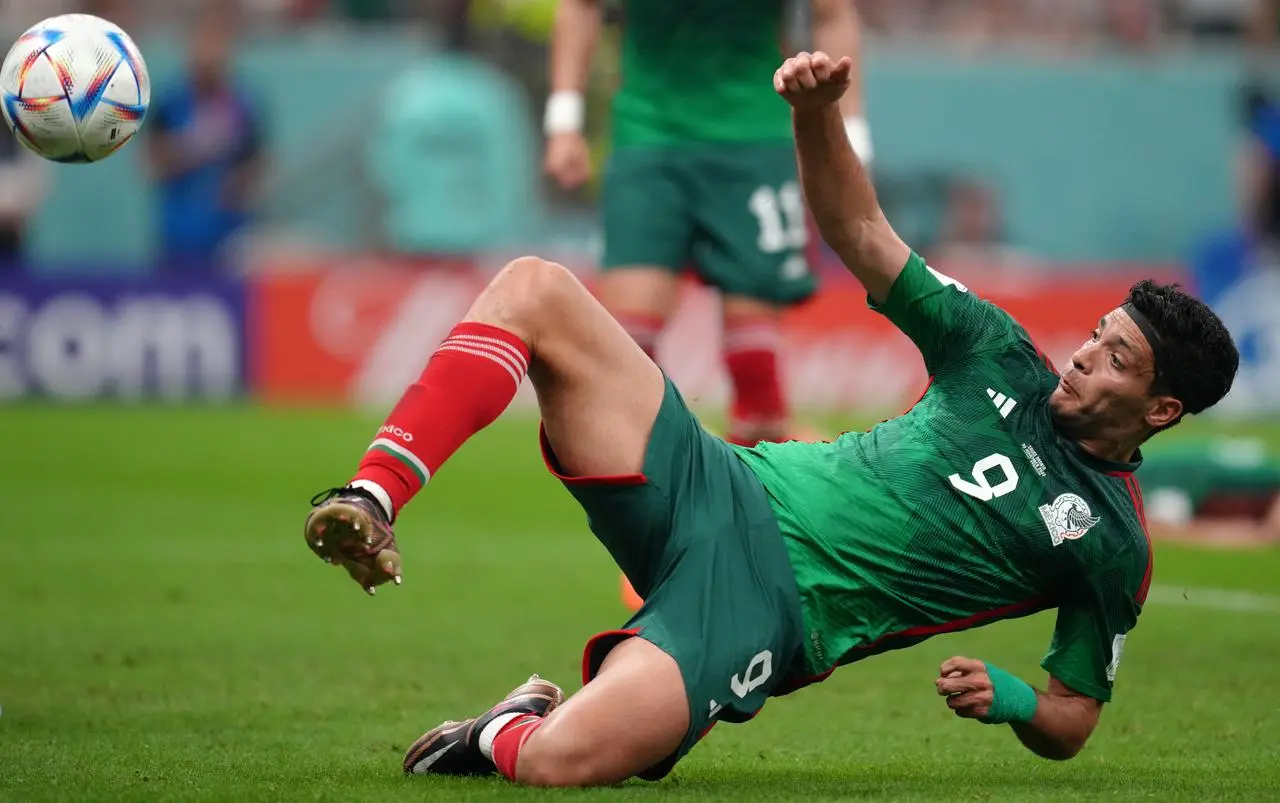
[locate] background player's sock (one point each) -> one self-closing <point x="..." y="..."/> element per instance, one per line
<point x="469" y="380"/>
<point x="644" y="329"/>
<point x="507" y="740"/>
<point x="759" y="409"/>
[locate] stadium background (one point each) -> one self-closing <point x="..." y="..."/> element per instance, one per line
<point x="164" y="634"/>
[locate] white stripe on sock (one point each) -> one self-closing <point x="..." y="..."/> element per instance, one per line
<point x="488" y="355"/>
<point x="378" y="493"/>
<point x="517" y="358"/>
<point x="491" y="731"/>
<point x="753" y="340"/>
<point x="517" y="365"/>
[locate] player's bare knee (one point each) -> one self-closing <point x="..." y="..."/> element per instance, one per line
<point x="527" y="292"/>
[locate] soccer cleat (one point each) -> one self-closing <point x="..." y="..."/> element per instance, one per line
<point x="453" y="748"/>
<point x="349" y="523"/>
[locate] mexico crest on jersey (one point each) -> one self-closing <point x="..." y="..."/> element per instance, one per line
<point x="1068" y="518"/>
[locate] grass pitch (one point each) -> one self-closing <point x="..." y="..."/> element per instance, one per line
<point x="166" y="636"/>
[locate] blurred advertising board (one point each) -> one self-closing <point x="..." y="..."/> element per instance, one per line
<point x="332" y="333"/>
<point x="171" y="338"/>
<point x="1249" y="304"/>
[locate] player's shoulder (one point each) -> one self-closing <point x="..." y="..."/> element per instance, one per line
<point x="1004" y="333"/>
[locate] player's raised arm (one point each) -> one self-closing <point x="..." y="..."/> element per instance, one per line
<point x="837" y="31"/>
<point x="836" y="187"/>
<point x="573" y="43"/>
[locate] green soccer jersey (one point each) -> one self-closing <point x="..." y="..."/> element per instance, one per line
<point x="969" y="508"/>
<point x="700" y="71"/>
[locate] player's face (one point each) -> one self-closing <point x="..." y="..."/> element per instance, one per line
<point x="1106" y="390"/>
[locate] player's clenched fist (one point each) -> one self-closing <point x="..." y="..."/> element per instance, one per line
<point x="967" y="686"/>
<point x="810" y="80"/>
<point x="568" y="159"/>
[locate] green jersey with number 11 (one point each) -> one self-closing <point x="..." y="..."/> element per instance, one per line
<point x="970" y="507"/>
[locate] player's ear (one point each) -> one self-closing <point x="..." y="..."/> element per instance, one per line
<point x="1163" y="411"/>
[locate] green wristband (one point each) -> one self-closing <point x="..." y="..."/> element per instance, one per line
<point x="1012" y="699"/>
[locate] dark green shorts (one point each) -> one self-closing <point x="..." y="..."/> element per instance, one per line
<point x="734" y="212"/>
<point x="697" y="538"/>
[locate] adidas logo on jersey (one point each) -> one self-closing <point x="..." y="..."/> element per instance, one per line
<point x="1003" y="403"/>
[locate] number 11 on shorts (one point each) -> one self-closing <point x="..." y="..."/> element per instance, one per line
<point x="780" y="214"/>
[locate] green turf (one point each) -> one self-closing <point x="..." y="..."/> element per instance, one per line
<point x="167" y="636"/>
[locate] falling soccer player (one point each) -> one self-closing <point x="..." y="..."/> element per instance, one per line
<point x="1007" y="490"/>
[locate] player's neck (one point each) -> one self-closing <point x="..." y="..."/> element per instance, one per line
<point x="1113" y="450"/>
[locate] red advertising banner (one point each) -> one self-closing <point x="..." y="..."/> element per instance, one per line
<point x="361" y="333"/>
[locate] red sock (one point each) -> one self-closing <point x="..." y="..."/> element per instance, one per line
<point x="468" y="382"/>
<point x="751" y="355"/>
<point x="510" y="741"/>
<point x="644" y="329"/>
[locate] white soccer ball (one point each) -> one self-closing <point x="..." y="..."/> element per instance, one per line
<point x="74" y="88"/>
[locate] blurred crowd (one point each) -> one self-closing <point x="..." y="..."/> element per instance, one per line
<point x="1077" y="24"/>
<point x="1067" y="25"/>
<point x="204" y="150"/>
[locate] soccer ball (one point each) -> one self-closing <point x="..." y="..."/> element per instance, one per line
<point x="74" y="88"/>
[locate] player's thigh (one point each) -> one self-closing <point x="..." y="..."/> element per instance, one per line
<point x="647" y="290"/>
<point x="597" y="390"/>
<point x="738" y="308"/>
<point x="731" y="646"/>
<point x="631" y="716"/>
<point x="646" y="210"/>
<point x="751" y="229"/>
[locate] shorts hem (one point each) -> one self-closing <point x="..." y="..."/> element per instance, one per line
<point x="590" y="666"/>
<point x="553" y="466"/>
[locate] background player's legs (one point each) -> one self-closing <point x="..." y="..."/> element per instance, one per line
<point x="631" y="716"/>
<point x="750" y="245"/>
<point x="642" y="299"/>
<point x="752" y="340"/>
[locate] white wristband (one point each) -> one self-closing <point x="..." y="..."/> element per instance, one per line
<point x="565" y="112"/>
<point x="859" y="134"/>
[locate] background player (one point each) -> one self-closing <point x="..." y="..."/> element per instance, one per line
<point x="1223" y="490"/>
<point x="1008" y="490"/>
<point x="701" y="172"/>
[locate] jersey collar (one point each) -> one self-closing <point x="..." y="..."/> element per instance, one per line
<point x="1110" y="467"/>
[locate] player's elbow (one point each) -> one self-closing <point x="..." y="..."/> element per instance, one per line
<point x="1061" y="745"/>
<point x="1063" y="750"/>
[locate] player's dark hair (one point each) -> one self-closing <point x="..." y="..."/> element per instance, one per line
<point x="1196" y="359"/>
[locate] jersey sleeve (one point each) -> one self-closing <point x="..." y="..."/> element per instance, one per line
<point x="945" y="321"/>
<point x="1089" y="637"/>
